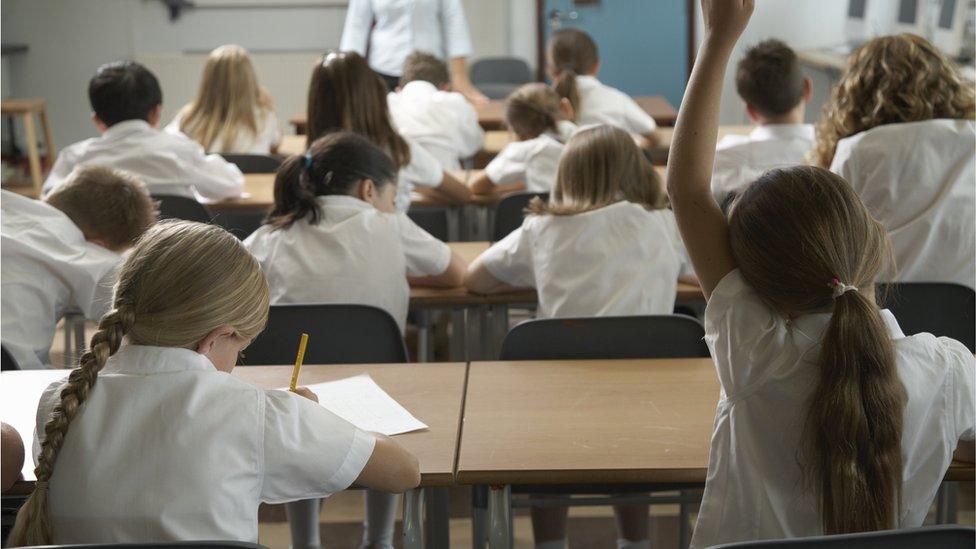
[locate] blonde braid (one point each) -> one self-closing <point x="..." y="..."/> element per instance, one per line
<point x="32" y="526"/>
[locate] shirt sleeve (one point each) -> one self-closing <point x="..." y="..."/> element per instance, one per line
<point x="962" y="389"/>
<point x="355" y="31"/>
<point x="457" y="42"/>
<point x="472" y="136"/>
<point x="510" y="259"/>
<point x="510" y="166"/>
<point x="212" y="177"/>
<point x="66" y="161"/>
<point x="309" y="452"/>
<point x="425" y="255"/>
<point x="636" y="119"/>
<point x="423" y="169"/>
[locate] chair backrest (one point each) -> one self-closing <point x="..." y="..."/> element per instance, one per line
<point x="7" y="360"/>
<point x="181" y="207"/>
<point x="254" y="163"/>
<point x="500" y="70"/>
<point x="240" y="224"/>
<point x="941" y="309"/>
<point x="337" y="334"/>
<point x="432" y="220"/>
<point x="943" y="537"/>
<point x="159" y="545"/>
<point x="606" y="337"/>
<point x="510" y="212"/>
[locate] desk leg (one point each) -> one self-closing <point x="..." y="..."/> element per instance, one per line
<point x="453" y="224"/>
<point x="437" y="504"/>
<point x="946" y="503"/>
<point x="80" y="343"/>
<point x="498" y="330"/>
<point x="479" y="516"/>
<point x="423" y="335"/>
<point x="413" y="525"/>
<point x="459" y="336"/>
<point x="500" y="518"/>
<point x="477" y="333"/>
<point x="33" y="155"/>
<point x="68" y="345"/>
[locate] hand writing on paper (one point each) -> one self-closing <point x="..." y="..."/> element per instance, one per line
<point x="303" y="391"/>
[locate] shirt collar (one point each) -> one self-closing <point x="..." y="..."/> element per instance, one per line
<point x="586" y="81"/>
<point x="418" y="87"/>
<point x="149" y="360"/>
<point x="344" y="201"/>
<point x="812" y="326"/>
<point x="782" y="131"/>
<point x="127" y="127"/>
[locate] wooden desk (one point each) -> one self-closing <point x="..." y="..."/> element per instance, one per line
<point x="259" y="195"/>
<point x="291" y="145"/>
<point x="25" y="109"/>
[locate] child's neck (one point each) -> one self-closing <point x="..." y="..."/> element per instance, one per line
<point x="795" y="116"/>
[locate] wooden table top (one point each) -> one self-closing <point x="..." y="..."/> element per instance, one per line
<point x="21" y="106"/>
<point x="615" y="421"/>
<point x="291" y="145"/>
<point x="433" y="392"/>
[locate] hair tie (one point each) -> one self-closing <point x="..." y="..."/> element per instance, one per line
<point x="840" y="288"/>
<point x="41" y="485"/>
<point x="308" y="165"/>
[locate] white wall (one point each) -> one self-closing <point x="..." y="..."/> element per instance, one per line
<point x="69" y="39"/>
<point x="803" y="24"/>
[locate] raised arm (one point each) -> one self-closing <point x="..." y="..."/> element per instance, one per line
<point x="700" y="220"/>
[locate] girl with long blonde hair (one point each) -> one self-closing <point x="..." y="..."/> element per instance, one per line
<point x="830" y="419"/>
<point x="232" y="112"/>
<point x="149" y="439"/>
<point x="899" y="128"/>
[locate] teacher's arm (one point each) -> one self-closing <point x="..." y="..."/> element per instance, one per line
<point x="458" y="48"/>
<point x="355" y="31"/>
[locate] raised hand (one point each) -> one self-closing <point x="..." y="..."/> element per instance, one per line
<point x="726" y="19"/>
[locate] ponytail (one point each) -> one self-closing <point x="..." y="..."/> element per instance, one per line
<point x="572" y="52"/>
<point x="334" y="165"/>
<point x="854" y="421"/>
<point x="32" y="526"/>
<point x="565" y="86"/>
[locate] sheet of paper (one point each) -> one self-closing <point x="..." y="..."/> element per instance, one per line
<point x="20" y="391"/>
<point x="360" y="401"/>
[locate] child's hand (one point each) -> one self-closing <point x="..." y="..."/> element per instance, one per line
<point x="726" y="19"/>
<point x="303" y="391"/>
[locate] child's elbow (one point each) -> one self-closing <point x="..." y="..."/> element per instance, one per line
<point x="408" y="477"/>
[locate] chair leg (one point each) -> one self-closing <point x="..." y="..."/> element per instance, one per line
<point x="479" y="516"/>
<point x="437" y="527"/>
<point x="49" y="151"/>
<point x="946" y="506"/>
<point x="683" y="540"/>
<point x="33" y="155"/>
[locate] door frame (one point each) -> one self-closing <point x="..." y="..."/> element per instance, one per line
<point x="540" y="41"/>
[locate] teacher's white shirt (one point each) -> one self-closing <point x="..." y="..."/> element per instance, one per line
<point x="767" y="368"/>
<point x="403" y="27"/>
<point x="917" y="179"/>
<point x="168" y="448"/>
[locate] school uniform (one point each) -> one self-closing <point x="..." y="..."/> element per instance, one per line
<point x="767" y="367"/>
<point x="168" y="448"/>
<point x="423" y="170"/>
<point x="602" y="104"/>
<point x="48" y="269"/>
<point x="917" y="180"/>
<point x="620" y="259"/>
<point x="741" y="159"/>
<point x="534" y="162"/>
<point x="444" y="123"/>
<point x="354" y="254"/>
<point x="268" y="135"/>
<point x="168" y="163"/>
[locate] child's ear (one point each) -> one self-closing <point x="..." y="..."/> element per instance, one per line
<point x="807" y="89"/>
<point x="366" y="191"/>
<point x="205" y="345"/>
<point x="154" y="115"/>
<point x="102" y="126"/>
<point x="596" y="68"/>
<point x="754" y="115"/>
<point x="567" y="108"/>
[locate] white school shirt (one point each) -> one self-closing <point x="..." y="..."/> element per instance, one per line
<point x="917" y="180"/>
<point x="423" y="170"/>
<point x="741" y="159"/>
<point x="168" y="448"/>
<point x="602" y="104"/>
<point x="403" y="27"/>
<point x="46" y="269"/>
<point x="534" y="162"/>
<point x="617" y="260"/>
<point x="442" y="122"/>
<point x="168" y="163"/>
<point x="355" y="254"/>
<point x="768" y="369"/>
<point x="245" y="142"/>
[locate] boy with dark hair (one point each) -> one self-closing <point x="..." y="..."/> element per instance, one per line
<point x="426" y="110"/>
<point x="776" y="92"/>
<point x="126" y="103"/>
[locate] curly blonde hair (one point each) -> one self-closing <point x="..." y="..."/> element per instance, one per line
<point x="890" y="80"/>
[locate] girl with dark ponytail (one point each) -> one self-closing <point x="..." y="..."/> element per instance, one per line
<point x="830" y="420"/>
<point x="573" y="63"/>
<point x="334" y="236"/>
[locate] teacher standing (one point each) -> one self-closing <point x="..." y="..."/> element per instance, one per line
<point x="393" y="29"/>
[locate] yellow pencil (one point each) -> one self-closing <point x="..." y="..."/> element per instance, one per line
<point x="298" y="362"/>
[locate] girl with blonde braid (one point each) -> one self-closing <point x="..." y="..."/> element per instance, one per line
<point x="149" y="439"/>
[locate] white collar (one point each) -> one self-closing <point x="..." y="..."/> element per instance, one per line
<point x="150" y="360"/>
<point x="127" y="127"/>
<point x="812" y="326"/>
<point x="587" y="81"/>
<point x="343" y="201"/>
<point x="782" y="131"/>
<point x="418" y="87"/>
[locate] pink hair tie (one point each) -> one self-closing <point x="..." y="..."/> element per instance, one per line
<point x="839" y="287"/>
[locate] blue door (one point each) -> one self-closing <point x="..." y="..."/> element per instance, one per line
<point x="643" y="43"/>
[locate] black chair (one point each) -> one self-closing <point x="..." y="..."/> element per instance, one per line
<point x="608" y="337"/>
<point x="254" y="163"/>
<point x="182" y="207"/>
<point x="510" y="212"/>
<point x="337" y="334"/>
<point x="941" y="309"/>
<point x="159" y="545"/>
<point x="497" y="77"/>
<point x="240" y="224"/>
<point x="432" y="220"/>
<point x="943" y="537"/>
<point x="7" y="360"/>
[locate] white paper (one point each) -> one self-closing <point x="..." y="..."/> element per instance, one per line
<point x="20" y="392"/>
<point x="360" y="401"/>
